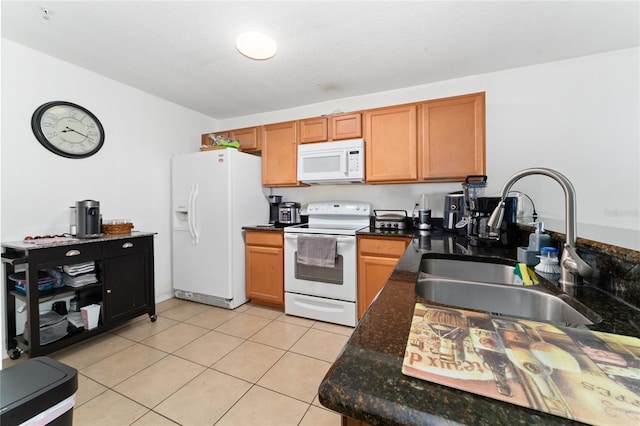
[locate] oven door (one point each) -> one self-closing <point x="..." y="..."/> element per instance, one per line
<point x="338" y="282"/>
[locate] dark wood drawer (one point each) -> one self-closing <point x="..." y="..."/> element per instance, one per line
<point x="66" y="255"/>
<point x="127" y="246"/>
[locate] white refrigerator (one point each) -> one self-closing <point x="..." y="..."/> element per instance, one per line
<point x="214" y="194"/>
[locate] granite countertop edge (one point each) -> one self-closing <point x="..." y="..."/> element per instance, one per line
<point x="24" y="245"/>
<point x="366" y="382"/>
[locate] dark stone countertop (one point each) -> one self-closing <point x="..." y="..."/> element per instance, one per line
<point x="366" y="381"/>
<point x="27" y="245"/>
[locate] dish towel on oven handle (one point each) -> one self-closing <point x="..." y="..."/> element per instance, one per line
<point x="317" y="250"/>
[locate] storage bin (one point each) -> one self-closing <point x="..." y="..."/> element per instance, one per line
<point x="53" y="326"/>
<point x="38" y="391"/>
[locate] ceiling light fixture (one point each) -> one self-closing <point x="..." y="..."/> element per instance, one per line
<point x="255" y="45"/>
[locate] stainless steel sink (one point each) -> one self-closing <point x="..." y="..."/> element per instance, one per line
<point x="500" y="299"/>
<point x="485" y="284"/>
<point x="470" y="268"/>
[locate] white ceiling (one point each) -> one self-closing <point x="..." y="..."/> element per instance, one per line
<point x="184" y="51"/>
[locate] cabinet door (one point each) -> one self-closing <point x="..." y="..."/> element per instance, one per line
<point x="452" y="143"/>
<point x="373" y="273"/>
<point x="377" y="258"/>
<point x="264" y="267"/>
<point x="249" y="138"/>
<point x="279" y="154"/>
<point x="391" y="144"/>
<point x="346" y="126"/>
<point x="127" y="279"/>
<point x="314" y="130"/>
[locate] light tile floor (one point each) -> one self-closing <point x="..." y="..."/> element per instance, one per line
<point x="202" y="365"/>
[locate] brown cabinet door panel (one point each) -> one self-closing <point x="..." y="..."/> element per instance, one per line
<point x="391" y="144"/>
<point x="452" y="137"/>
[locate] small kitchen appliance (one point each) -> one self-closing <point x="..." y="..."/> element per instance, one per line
<point x="331" y="162"/>
<point x="478" y="232"/>
<point x="289" y="213"/>
<point x="391" y="220"/>
<point x="472" y="188"/>
<point x="453" y="210"/>
<point x="274" y="208"/>
<point x="87" y="219"/>
<point x="422" y="213"/>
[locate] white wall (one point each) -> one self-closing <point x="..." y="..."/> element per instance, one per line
<point x="579" y="117"/>
<point x="130" y="175"/>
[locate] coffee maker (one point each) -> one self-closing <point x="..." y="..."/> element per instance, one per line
<point x="274" y="208"/>
<point x="478" y="232"/>
<point x="453" y="211"/>
<point x="87" y="219"/>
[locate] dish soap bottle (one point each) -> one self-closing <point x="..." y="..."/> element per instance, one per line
<point x="539" y="239"/>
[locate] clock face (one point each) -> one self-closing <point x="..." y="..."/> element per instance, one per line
<point x="67" y="129"/>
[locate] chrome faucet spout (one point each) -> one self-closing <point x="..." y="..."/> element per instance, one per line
<point x="573" y="268"/>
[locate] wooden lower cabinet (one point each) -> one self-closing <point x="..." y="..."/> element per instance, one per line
<point x="377" y="258"/>
<point x="264" y="267"/>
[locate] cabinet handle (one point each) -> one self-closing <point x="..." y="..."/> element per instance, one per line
<point x="108" y="291"/>
<point x="127" y="245"/>
<point x="72" y="253"/>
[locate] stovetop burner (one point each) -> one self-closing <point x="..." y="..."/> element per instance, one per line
<point x="334" y="217"/>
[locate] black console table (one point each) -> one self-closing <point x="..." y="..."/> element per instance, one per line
<point x="124" y="288"/>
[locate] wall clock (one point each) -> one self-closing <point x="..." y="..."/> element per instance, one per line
<point x="67" y="129"/>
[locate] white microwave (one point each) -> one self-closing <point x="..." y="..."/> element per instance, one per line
<point x="331" y="162"/>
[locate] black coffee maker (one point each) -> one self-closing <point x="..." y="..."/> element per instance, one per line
<point x="478" y="232"/>
<point x="274" y="208"/>
<point x="88" y="219"/>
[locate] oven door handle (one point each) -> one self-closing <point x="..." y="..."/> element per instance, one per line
<point x="290" y="236"/>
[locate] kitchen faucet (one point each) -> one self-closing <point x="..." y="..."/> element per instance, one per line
<point x="573" y="268"/>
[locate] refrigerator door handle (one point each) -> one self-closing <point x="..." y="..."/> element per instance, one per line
<point x="193" y="195"/>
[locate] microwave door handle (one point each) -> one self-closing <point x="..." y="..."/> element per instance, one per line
<point x="345" y="162"/>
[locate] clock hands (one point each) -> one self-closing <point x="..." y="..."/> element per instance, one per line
<point x="69" y="129"/>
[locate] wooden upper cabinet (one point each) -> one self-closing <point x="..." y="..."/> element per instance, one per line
<point x="391" y="138"/>
<point x="452" y="137"/>
<point x="280" y="154"/>
<point x="346" y="126"/>
<point x="314" y="130"/>
<point x="331" y="128"/>
<point x="249" y="138"/>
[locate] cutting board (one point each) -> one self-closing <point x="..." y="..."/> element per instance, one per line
<point x="579" y="374"/>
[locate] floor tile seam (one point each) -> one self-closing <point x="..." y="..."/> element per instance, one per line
<point x="130" y="399"/>
<point x="259" y="378"/>
<point x="181" y="347"/>
<point x="332" y="332"/>
<point x="106" y="388"/>
<point x="242" y="337"/>
<point x="288" y="396"/>
<point x="146" y="337"/>
<point x="128" y="377"/>
<point x="311" y="356"/>
<point x="251" y="385"/>
<point x="183" y="386"/>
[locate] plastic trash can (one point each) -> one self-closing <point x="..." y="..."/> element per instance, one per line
<point x="38" y="391"/>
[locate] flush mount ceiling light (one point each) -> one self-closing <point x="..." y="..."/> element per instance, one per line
<point x="255" y="45"/>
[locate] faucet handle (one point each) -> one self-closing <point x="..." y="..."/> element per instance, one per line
<point x="574" y="263"/>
